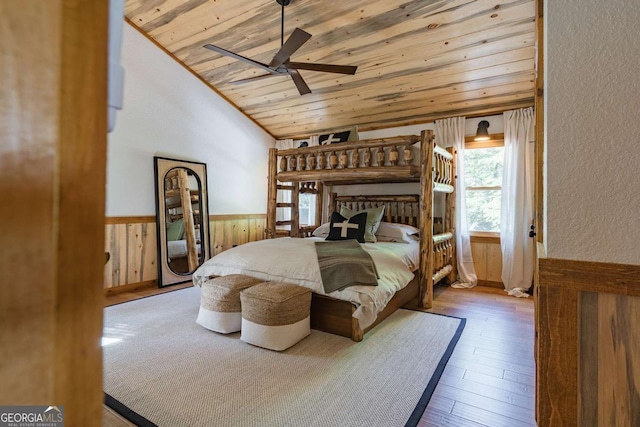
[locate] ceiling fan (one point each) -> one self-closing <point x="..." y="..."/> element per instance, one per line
<point x="280" y="65"/>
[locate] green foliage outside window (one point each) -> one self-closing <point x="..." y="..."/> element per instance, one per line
<point x="483" y="181"/>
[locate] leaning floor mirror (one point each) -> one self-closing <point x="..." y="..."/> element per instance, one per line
<point x="182" y="219"/>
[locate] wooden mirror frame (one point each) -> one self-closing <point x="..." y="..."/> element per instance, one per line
<point x="162" y="165"/>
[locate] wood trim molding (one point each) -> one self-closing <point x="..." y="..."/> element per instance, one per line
<point x="621" y="279"/>
<point x="227" y="217"/>
<point x="539" y="122"/>
<point x="147" y="284"/>
<point x="491" y="284"/>
<point x="53" y="109"/>
<point x="566" y="298"/>
<point x="557" y="356"/>
<point x="129" y="219"/>
<point x="485" y="239"/>
<point x="495" y="140"/>
<point x="149" y="219"/>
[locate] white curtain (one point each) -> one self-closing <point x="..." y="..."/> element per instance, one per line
<point x="517" y="210"/>
<point x="282" y="195"/>
<point x="450" y="132"/>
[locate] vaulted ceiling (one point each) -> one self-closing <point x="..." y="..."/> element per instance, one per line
<point x="417" y="60"/>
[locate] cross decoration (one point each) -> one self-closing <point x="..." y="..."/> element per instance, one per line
<point x="331" y="140"/>
<point x="333" y="137"/>
<point x="345" y="226"/>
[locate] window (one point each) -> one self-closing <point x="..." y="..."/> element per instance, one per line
<point x="307" y="209"/>
<point x="483" y="182"/>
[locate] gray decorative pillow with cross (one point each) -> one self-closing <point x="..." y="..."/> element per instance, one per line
<point x="347" y="228"/>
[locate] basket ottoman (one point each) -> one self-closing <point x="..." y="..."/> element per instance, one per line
<point x="275" y="315"/>
<point x="220" y="302"/>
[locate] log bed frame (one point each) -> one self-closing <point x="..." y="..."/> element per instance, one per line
<point x="385" y="160"/>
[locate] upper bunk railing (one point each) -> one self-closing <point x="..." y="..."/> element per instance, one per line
<point x="384" y="159"/>
<point x="442" y="170"/>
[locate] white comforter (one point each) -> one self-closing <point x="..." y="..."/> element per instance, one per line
<point x="294" y="260"/>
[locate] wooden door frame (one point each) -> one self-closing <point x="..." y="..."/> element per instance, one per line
<point x="53" y="128"/>
<point x="539" y="187"/>
<point x="539" y="122"/>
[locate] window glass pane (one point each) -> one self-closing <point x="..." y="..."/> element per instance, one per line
<point x="483" y="167"/>
<point x="307" y="208"/>
<point x="483" y="210"/>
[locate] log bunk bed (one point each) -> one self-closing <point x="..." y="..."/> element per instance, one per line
<point x="387" y="160"/>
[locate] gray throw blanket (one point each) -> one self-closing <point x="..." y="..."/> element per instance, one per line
<point x="344" y="263"/>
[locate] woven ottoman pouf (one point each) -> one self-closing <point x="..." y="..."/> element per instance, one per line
<point x="220" y="302"/>
<point x="275" y="315"/>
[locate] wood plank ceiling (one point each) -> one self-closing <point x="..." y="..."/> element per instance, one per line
<point x="417" y="60"/>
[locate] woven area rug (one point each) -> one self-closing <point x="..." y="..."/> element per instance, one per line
<point x="161" y="368"/>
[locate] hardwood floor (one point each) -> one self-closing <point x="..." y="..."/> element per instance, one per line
<point x="490" y="378"/>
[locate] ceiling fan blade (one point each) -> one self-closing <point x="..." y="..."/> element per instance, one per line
<point x="241" y="58"/>
<point x="299" y="81"/>
<point x="327" y="68"/>
<point x="254" y="78"/>
<point x="293" y="43"/>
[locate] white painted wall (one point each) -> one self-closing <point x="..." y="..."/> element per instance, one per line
<point x="169" y="112"/>
<point x="496" y="125"/>
<point x="593" y="145"/>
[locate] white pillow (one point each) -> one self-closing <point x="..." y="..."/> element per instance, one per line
<point x="323" y="230"/>
<point x="399" y="233"/>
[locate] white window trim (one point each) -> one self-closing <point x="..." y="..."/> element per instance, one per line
<point x="470" y="144"/>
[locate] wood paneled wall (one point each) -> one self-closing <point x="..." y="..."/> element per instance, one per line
<point x="609" y="360"/>
<point x="588" y="346"/>
<point x="228" y="231"/>
<point x="487" y="260"/>
<point x="132" y="245"/>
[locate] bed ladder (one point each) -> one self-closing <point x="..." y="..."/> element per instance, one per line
<point x="295" y="187"/>
<point x="294" y="222"/>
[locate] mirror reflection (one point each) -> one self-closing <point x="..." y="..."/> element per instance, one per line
<point x="183" y="220"/>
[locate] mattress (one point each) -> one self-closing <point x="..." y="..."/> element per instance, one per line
<point x="178" y="249"/>
<point x="294" y="260"/>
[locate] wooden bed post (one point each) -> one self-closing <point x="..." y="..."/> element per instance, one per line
<point x="332" y="204"/>
<point x="295" y="211"/>
<point x="356" y="331"/>
<point x="319" y="200"/>
<point x="272" y="193"/>
<point x="451" y="217"/>
<point x="426" y="219"/>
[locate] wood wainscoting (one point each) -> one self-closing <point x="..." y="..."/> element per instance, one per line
<point x="588" y="344"/>
<point x="487" y="260"/>
<point x="132" y="246"/>
<point x="133" y="253"/>
<point x="228" y="231"/>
